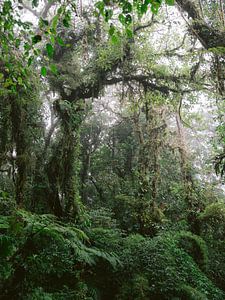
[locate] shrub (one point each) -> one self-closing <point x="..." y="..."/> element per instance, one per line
<point x="167" y="265"/>
<point x="213" y="220"/>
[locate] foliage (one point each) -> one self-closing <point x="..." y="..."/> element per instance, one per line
<point x="101" y="196"/>
<point x="45" y="253"/>
<point x="166" y="267"/>
<point x="212" y="229"/>
<point x="213" y="220"/>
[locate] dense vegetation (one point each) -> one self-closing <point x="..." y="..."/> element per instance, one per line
<point x="112" y="150"/>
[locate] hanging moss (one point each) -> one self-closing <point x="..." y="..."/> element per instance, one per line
<point x="63" y="166"/>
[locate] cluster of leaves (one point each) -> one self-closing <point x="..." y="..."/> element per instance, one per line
<point x="127" y="10"/>
<point x="127" y="7"/>
<point x="39" y="251"/>
<point x="162" y="268"/>
<point x="44" y="258"/>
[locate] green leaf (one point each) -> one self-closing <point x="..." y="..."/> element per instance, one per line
<point x="155" y="8"/>
<point x="114" y="39"/>
<point x="100" y="6"/>
<point x="54" y="69"/>
<point x="30" y="60"/>
<point x="55" y="22"/>
<point x="27" y="46"/>
<point x="170" y="2"/>
<point x="127" y="7"/>
<point x="128" y="19"/>
<point x="35" y="3"/>
<point x="18" y="41"/>
<point x="52" y="39"/>
<point x="7" y="7"/>
<point x="43" y="22"/>
<point x="50" y="50"/>
<point x="111" y="30"/>
<point x="108" y="14"/>
<point x="60" y="10"/>
<point x="122" y="19"/>
<point x="144" y="8"/>
<point x="20" y="81"/>
<point x="60" y="41"/>
<point x="36" y="39"/>
<point x="129" y="33"/>
<point x="66" y="23"/>
<point x="43" y="71"/>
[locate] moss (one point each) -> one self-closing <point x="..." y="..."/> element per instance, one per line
<point x="195" y="246"/>
<point x="212" y="221"/>
<point x="189" y="293"/>
<point x="135" y="289"/>
<point x="214" y="211"/>
<point x="169" y="265"/>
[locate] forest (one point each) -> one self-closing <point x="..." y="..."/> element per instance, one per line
<point x="112" y="150"/>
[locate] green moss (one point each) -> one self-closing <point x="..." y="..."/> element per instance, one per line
<point x="195" y="246"/>
<point x="169" y="265"/>
<point x="212" y="221"/>
<point x="214" y="211"/>
<point x="189" y="293"/>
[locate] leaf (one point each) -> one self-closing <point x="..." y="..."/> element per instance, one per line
<point x="114" y="39"/>
<point x="36" y="39"/>
<point x="155" y="8"/>
<point x="60" y="10"/>
<point x="129" y="33"/>
<point x="55" y="22"/>
<point x="54" y="69"/>
<point x="43" y="71"/>
<point x="35" y="3"/>
<point x="60" y="41"/>
<point x="20" y="81"/>
<point x="7" y="7"/>
<point x="66" y="23"/>
<point x="18" y="41"/>
<point x="30" y="60"/>
<point x="27" y="46"/>
<point x="111" y="30"/>
<point x="144" y="8"/>
<point x="170" y="2"/>
<point x="43" y="22"/>
<point x="108" y="14"/>
<point x="100" y="6"/>
<point x="128" y="19"/>
<point x="50" y="50"/>
<point x="127" y="7"/>
<point x="122" y="19"/>
<point x="52" y="39"/>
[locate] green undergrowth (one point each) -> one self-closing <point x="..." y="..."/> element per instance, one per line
<point x="44" y="258"/>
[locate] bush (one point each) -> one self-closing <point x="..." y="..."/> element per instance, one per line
<point x="167" y="266"/>
<point x="42" y="256"/>
<point x="213" y="221"/>
<point x="195" y="246"/>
